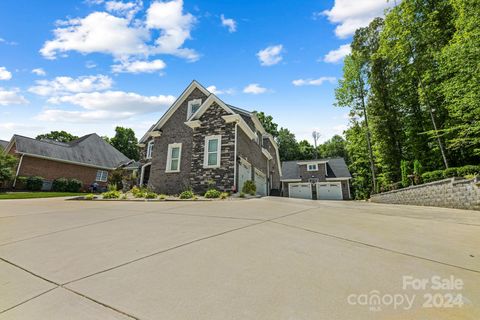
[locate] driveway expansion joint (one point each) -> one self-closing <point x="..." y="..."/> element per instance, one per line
<point x="376" y="247"/>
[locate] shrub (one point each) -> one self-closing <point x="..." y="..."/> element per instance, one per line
<point x="111" y="194"/>
<point x="74" y="185"/>
<point x="249" y="187"/>
<point x="150" y="195"/>
<point x="137" y="192"/>
<point x="34" y="183"/>
<point x="450" y="172"/>
<point x="242" y="195"/>
<point x="224" y="195"/>
<point x="417" y="172"/>
<point x="187" y="194"/>
<point x="112" y="187"/>
<point x="162" y="196"/>
<point x="21" y="183"/>
<point x="116" y="177"/>
<point x="468" y="170"/>
<point x="60" y="185"/>
<point x="124" y="196"/>
<point x="212" y="193"/>
<point x="432" y="176"/>
<point x="89" y="196"/>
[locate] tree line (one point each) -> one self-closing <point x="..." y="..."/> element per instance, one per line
<point x="412" y="86"/>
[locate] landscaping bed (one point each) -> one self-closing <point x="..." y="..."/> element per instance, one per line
<point x="144" y="194"/>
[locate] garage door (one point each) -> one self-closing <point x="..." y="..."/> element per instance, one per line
<point x="244" y="173"/>
<point x="261" y="182"/>
<point x="329" y="191"/>
<point x="300" y="190"/>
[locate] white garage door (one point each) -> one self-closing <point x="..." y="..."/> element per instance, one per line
<point x="244" y="174"/>
<point x="261" y="182"/>
<point x="300" y="190"/>
<point x="329" y="191"/>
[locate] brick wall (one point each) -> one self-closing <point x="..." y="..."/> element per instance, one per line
<point x="173" y="131"/>
<point x="450" y="193"/>
<point x="51" y="170"/>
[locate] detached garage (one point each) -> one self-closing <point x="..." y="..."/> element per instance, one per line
<point x="329" y="191"/>
<point x="322" y="179"/>
<point x="300" y="190"/>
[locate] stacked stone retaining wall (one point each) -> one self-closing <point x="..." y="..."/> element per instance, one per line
<point x="449" y="193"/>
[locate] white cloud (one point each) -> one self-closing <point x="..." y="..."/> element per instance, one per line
<point x="5" y="74"/>
<point x="229" y="23"/>
<point x="39" y="72"/>
<point x="313" y="82"/>
<point x="11" y="97"/>
<point x="338" y="54"/>
<point x="139" y="66"/>
<point x="127" y="9"/>
<point x="351" y="15"/>
<point x="175" y="28"/>
<point x="57" y="115"/>
<point x="216" y="91"/>
<point x="122" y="37"/>
<point x="254" y="88"/>
<point x="98" y="32"/>
<point x="270" y="55"/>
<point x="90" y="64"/>
<point x="66" y="85"/>
<point x="109" y="104"/>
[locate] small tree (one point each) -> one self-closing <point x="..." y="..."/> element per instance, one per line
<point x="7" y="168"/>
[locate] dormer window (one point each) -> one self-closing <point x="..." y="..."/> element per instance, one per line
<point x="149" y="149"/>
<point x="193" y="106"/>
<point x="312" y="167"/>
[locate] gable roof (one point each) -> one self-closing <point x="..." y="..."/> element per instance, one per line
<point x="3" y="144"/>
<point x="90" y="150"/>
<point x="194" y="84"/>
<point x="336" y="168"/>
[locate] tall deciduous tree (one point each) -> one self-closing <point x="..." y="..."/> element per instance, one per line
<point x="60" y="136"/>
<point x="460" y="67"/>
<point x="268" y="124"/>
<point x="125" y="142"/>
<point x="287" y="145"/>
<point x="352" y="92"/>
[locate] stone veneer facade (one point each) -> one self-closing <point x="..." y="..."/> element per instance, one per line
<point x="222" y="177"/>
<point x="450" y="193"/>
<point x="192" y="173"/>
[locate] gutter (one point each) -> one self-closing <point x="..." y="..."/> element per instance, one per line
<point x="18" y="171"/>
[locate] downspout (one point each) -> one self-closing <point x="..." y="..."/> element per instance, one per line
<point x="18" y="170"/>
<point x="268" y="177"/>
<point x="235" y="160"/>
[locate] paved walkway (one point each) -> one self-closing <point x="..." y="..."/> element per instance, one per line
<point x="270" y="258"/>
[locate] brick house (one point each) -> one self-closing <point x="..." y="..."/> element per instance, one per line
<point x="88" y="159"/>
<point x="323" y="179"/>
<point x="201" y="142"/>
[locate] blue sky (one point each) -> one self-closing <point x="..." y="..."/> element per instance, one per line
<point x="88" y="66"/>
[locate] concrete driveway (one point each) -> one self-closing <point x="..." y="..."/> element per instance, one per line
<point x="270" y="258"/>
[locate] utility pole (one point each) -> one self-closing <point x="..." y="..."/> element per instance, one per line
<point x="316" y="136"/>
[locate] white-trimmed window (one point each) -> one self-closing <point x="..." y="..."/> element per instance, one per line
<point x="173" y="157"/>
<point x="102" y="176"/>
<point x="193" y="106"/>
<point x="312" y="167"/>
<point x="213" y="147"/>
<point x="149" y="149"/>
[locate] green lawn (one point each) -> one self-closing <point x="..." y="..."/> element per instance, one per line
<point x="32" y="195"/>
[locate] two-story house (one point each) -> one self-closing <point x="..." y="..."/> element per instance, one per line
<point x="322" y="179"/>
<point x="202" y="142"/>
